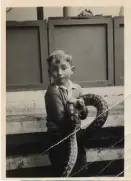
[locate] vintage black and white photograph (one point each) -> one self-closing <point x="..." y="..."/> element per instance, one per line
<point x="64" y="92"/>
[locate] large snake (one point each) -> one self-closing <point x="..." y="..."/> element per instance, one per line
<point x="102" y="113"/>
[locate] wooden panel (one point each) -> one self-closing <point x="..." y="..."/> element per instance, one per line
<point x="94" y="169"/>
<point x="26" y="54"/>
<point x="119" y="50"/>
<point x="21" y="43"/>
<point x="36" y="143"/>
<point x="86" y="52"/>
<point x="38" y="160"/>
<point x="32" y="124"/>
<point x="41" y="112"/>
<point x="88" y="41"/>
<point x="32" y="102"/>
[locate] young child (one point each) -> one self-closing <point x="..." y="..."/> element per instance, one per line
<point x="60" y="91"/>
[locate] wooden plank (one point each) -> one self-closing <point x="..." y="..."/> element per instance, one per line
<point x="115" y="167"/>
<point x="32" y="143"/>
<point x="41" y="112"/>
<point x="112" y="121"/>
<point x="32" y="124"/>
<point x="25" y="124"/>
<point x="97" y="83"/>
<point x="104" y="91"/>
<point x="32" y="102"/>
<point x="78" y="17"/>
<point x="37" y="161"/>
<point x="93" y="170"/>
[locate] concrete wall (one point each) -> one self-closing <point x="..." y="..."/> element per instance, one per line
<point x="24" y="14"/>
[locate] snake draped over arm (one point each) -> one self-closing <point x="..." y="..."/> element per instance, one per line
<point x="102" y="113"/>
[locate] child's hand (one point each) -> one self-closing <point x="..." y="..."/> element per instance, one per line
<point x="78" y="103"/>
<point x="73" y="101"/>
<point x="83" y="111"/>
<point x="72" y="115"/>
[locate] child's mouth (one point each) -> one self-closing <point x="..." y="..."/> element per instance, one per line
<point x="60" y="79"/>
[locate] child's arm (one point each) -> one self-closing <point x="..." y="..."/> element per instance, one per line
<point x="80" y="105"/>
<point x="55" y="108"/>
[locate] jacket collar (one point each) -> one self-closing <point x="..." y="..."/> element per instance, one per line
<point x="71" y="86"/>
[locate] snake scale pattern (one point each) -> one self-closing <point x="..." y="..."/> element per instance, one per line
<point x="102" y="113"/>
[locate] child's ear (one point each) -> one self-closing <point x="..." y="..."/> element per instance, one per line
<point x="73" y="69"/>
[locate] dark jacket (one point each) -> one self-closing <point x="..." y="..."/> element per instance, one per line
<point x="55" y="102"/>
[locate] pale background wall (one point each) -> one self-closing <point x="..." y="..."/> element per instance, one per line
<point x="24" y="14"/>
<point x="21" y="14"/>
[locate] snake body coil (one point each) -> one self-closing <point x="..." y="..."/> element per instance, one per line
<point x="102" y="113"/>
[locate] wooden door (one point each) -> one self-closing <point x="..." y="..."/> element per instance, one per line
<point x="90" y="42"/>
<point x="26" y="53"/>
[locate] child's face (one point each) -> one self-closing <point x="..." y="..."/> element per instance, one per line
<point x="61" y="71"/>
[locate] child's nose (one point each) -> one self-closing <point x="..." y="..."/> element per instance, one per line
<point x="59" y="72"/>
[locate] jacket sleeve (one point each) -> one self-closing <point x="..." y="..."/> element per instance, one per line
<point x="55" y="108"/>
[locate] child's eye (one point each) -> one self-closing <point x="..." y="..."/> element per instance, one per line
<point x="64" y="67"/>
